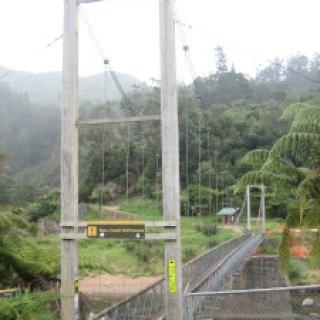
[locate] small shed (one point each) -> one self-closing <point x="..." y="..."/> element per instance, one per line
<point x="228" y="215"/>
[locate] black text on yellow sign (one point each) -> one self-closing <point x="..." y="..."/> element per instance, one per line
<point x="116" y="229"/>
<point x="172" y="276"/>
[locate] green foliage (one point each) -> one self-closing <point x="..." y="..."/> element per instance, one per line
<point x="296" y="271"/>
<point x="145" y="251"/>
<point x="21" y="257"/>
<point x="315" y="252"/>
<point x="27" y="306"/>
<point x="206" y="229"/>
<point x="291" y="111"/>
<point x="256" y="157"/>
<point x="197" y="199"/>
<point x="47" y="204"/>
<point x="284" y="251"/>
<point x="291" y="170"/>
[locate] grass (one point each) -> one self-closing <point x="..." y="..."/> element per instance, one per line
<point x="134" y="258"/>
<point x="302" y="274"/>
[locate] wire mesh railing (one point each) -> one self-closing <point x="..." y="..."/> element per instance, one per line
<point x="214" y="279"/>
<point x="150" y="301"/>
<point x="142" y="305"/>
<point x="290" y="303"/>
<point x="199" y="267"/>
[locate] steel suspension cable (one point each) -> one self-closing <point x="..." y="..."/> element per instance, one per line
<point x="198" y="98"/>
<point x="105" y="60"/>
<point x="209" y="160"/>
<point x="127" y="163"/>
<point x="187" y="159"/>
<point x="199" y="163"/>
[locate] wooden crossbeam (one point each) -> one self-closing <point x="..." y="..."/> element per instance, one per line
<point x="118" y="120"/>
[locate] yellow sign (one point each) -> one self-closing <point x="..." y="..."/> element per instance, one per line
<point x="76" y="286"/>
<point x="116" y="229"/>
<point x="172" y="276"/>
<point x="92" y="231"/>
<point x="9" y="293"/>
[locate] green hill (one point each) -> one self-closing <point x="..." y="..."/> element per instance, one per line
<point x="45" y="88"/>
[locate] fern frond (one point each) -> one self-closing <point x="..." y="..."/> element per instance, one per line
<point x="8" y="221"/>
<point x="293" y="109"/>
<point x="311" y="111"/>
<point x="256" y="157"/>
<point x="28" y="270"/>
<point x="278" y="165"/>
<point x="310" y="186"/>
<point x="292" y="141"/>
<point x="307" y="124"/>
<point x="303" y="146"/>
<point x="260" y="177"/>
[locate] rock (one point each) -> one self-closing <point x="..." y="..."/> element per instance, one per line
<point x="307" y="302"/>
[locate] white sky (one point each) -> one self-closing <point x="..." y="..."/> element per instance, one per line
<point x="128" y="32"/>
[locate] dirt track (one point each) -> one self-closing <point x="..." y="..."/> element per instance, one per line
<point x="116" y="284"/>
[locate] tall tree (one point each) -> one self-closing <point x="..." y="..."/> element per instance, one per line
<point x="221" y="60"/>
<point x="291" y="168"/>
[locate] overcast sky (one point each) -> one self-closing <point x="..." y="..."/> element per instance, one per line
<point x="128" y="31"/>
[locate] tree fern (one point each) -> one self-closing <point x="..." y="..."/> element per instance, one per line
<point x="281" y="166"/>
<point x="292" y="170"/>
<point x="256" y="157"/>
<point x="303" y="146"/>
<point x="292" y="110"/>
<point x="260" y="177"/>
<point x="307" y="124"/>
<point x="311" y="112"/>
<point x="20" y="253"/>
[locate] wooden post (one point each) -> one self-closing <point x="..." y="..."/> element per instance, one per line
<point x="263" y="209"/>
<point x="170" y="160"/>
<point x="248" y="208"/>
<point x="69" y="161"/>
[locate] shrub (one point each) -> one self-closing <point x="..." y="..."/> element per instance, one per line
<point x="206" y="229"/>
<point x="27" y="306"/>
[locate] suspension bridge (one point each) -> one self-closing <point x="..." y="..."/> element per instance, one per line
<point x="207" y="294"/>
<point x="189" y="291"/>
<point x="204" y="273"/>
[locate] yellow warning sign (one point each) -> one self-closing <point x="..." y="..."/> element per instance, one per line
<point x="92" y="231"/>
<point x="172" y="276"/>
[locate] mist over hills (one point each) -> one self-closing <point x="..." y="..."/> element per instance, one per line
<point x="45" y="88"/>
<point x="30" y="117"/>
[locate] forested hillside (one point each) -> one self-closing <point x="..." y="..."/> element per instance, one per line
<point x="233" y="131"/>
<point x="45" y="88"/>
<point x="232" y="116"/>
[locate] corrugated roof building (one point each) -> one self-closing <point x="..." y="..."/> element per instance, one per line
<point x="228" y="215"/>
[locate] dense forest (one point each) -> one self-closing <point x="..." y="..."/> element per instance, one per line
<point x="232" y="116"/>
<point x="233" y="130"/>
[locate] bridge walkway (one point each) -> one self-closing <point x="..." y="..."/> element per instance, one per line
<point x="205" y="272"/>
